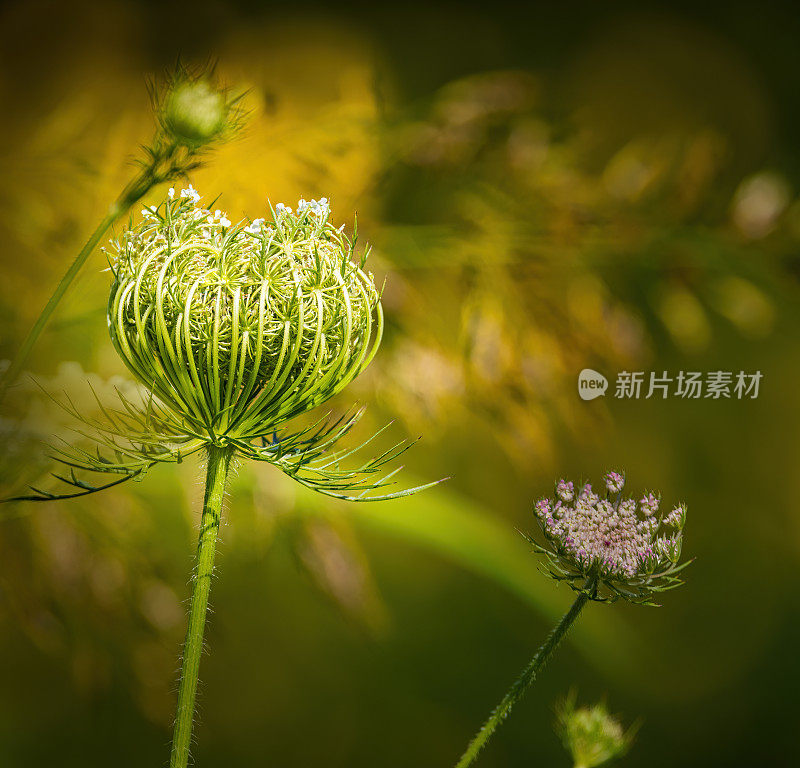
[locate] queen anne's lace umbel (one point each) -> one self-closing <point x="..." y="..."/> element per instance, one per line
<point x="607" y="540"/>
<point x="239" y="327"/>
<point x="235" y="329"/>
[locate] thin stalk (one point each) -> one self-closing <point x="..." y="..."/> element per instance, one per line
<point x="522" y="683"/>
<point x="135" y="190"/>
<point x="219" y="460"/>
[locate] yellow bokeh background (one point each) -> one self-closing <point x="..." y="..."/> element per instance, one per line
<point x="591" y="188"/>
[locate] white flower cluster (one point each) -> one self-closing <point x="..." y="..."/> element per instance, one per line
<point x="189" y="192"/>
<point x="319" y="210"/>
<point x="219" y="217"/>
<point x="319" y="207"/>
<point x="255" y="226"/>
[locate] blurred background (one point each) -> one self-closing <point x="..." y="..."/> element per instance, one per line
<point x="546" y="188"/>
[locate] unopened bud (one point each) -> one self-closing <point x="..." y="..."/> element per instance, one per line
<point x="591" y="735"/>
<point x="195" y="112"/>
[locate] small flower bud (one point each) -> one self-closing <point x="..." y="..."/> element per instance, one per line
<point x="194" y="112"/>
<point x="676" y="518"/>
<point x="565" y="491"/>
<point x="649" y="504"/>
<point x="591" y="735"/>
<point x="615" y="482"/>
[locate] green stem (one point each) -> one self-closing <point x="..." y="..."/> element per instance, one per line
<point x="135" y="190"/>
<point x="521" y="684"/>
<point x="15" y="368"/>
<point x="219" y="460"/>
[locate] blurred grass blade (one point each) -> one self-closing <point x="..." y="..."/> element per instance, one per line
<point x="482" y="542"/>
<point x="12" y="372"/>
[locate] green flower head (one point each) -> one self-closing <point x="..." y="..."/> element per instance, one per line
<point x="233" y="330"/>
<point x="238" y="328"/>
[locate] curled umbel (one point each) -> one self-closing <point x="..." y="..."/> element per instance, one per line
<point x="233" y="330"/>
<point x="237" y="328"/>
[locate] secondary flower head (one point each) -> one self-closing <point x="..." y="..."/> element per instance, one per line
<point x="591" y="735"/>
<point x="237" y="328"/>
<point x="609" y="545"/>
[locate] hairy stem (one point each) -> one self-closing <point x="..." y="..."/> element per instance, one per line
<point x="522" y="683"/>
<point x="219" y="460"/>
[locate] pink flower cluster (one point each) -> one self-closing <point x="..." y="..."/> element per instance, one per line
<point x="615" y="537"/>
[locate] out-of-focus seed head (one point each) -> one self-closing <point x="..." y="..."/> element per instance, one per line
<point x="592" y="735"/>
<point x="194" y="110"/>
<point x="239" y="327"/>
<point x="608" y="545"/>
